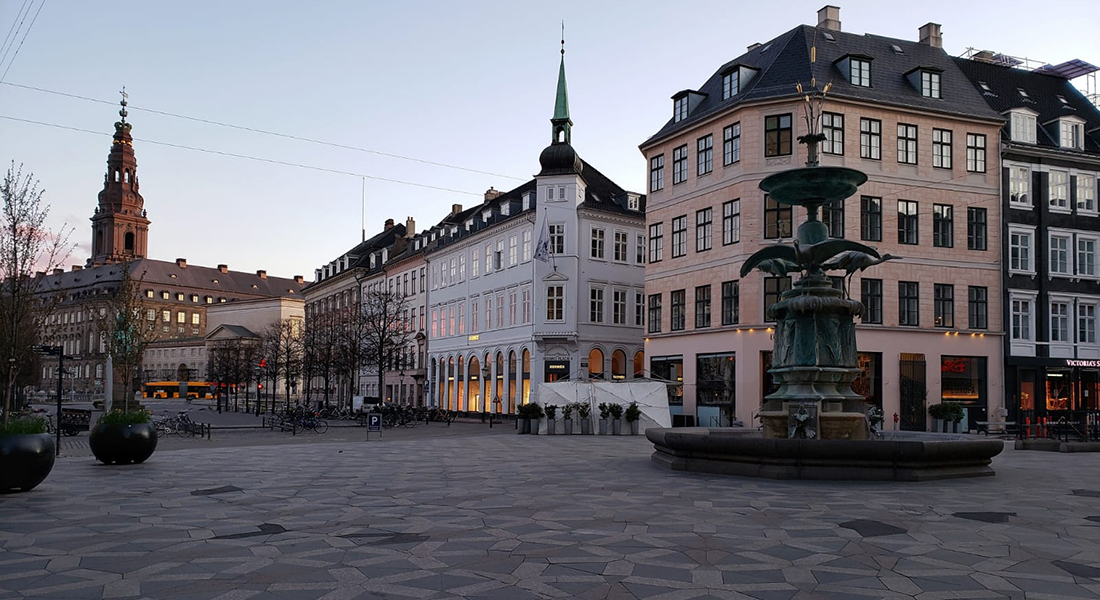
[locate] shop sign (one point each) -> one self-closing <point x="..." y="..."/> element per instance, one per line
<point x="1082" y="363"/>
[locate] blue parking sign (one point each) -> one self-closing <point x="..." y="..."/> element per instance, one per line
<point x="374" y="422"/>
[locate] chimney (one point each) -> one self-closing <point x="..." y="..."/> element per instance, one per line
<point x="410" y="227"/>
<point x="181" y="263"/>
<point x="388" y="225"/>
<point x="754" y="46"/>
<point x="58" y="271"/>
<point x="930" y="35"/>
<point x="39" y="274"/>
<point x="299" y="279"/>
<point x="829" y="17"/>
<point x="76" y="268"/>
<point x="223" y="268"/>
<point x="455" y="209"/>
<point x="262" y="274"/>
<point x="492" y="194"/>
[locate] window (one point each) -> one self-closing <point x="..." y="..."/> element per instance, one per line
<point x="654" y="315"/>
<point x="943" y="226"/>
<point x="618" y="307"/>
<point x="656" y="242"/>
<point x="597" y="243"/>
<point x="871" y="296"/>
<point x="908" y="303"/>
<point x="657" y="173"/>
<point x="1086" y="256"/>
<point x="1059" y="254"/>
<point x="1059" y="190"/>
<point x="151" y="314"/>
<point x="832" y="125"/>
<point x="620" y="246"/>
<point x="731" y="144"/>
<point x="595" y="305"/>
<point x="475" y="315"/>
<point x="1059" y="322"/>
<point x="166" y="316"/>
<point x="832" y="214"/>
<point x="179" y="297"/>
<point x="1086" y="193"/>
<point x="1019" y="249"/>
<point x="679" y="236"/>
<point x="870" y="139"/>
<point x="859" y="72"/>
<point x="195" y="298"/>
<point x="1019" y="184"/>
<point x="773" y="292"/>
<point x="777" y="135"/>
<point x="1021" y="319"/>
<point x="975" y="229"/>
<point x="1086" y="323"/>
<point x="512" y="254"/>
<point x="680" y="165"/>
<point x="870" y="219"/>
<point x="639" y="309"/>
<point x="944" y="305"/>
<point x="526" y="249"/>
<point x="978" y="307"/>
<point x="679" y="109"/>
<point x="941" y="148"/>
<point x="1023" y="128"/>
<point x="731" y="303"/>
<point x="907" y="222"/>
<point x="639" y="256"/>
<point x="557" y="239"/>
<point x="702" y="229"/>
<point x="705" y="155"/>
<point x="731" y="84"/>
<point x="679" y="300"/>
<point x="181" y="317"/>
<point x="461" y="318"/>
<point x="907" y="144"/>
<point x="777" y="219"/>
<point x="702" y="306"/>
<point x="489" y="310"/>
<point x="164" y="295"/>
<point x="148" y="293"/>
<point x="555" y="305"/>
<point x="1070" y="134"/>
<point x="731" y="222"/>
<point x="930" y="84"/>
<point x="500" y="309"/>
<point x="975" y="153"/>
<point x="526" y="305"/>
<point x="195" y="319"/>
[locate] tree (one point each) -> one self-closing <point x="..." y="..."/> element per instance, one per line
<point x="386" y="332"/>
<point x="122" y="321"/>
<point x="282" y="349"/>
<point x="26" y="246"/>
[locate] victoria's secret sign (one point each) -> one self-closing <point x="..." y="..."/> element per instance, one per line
<point x="1083" y="363"/>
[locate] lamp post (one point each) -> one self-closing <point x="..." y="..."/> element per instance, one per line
<point x="401" y="384"/>
<point x="486" y="372"/>
<point x="58" y="351"/>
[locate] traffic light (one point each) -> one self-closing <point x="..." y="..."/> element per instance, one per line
<point x="263" y="363"/>
<point x="260" y="386"/>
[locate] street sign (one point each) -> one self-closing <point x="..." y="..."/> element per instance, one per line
<point x="374" y="422"/>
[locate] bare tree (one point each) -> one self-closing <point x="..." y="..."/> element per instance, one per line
<point x="282" y="350"/>
<point x="386" y="332"/>
<point x="121" y="320"/>
<point x="321" y="344"/>
<point x="26" y="246"/>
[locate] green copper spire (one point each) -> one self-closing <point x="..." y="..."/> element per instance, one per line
<point x="562" y="125"/>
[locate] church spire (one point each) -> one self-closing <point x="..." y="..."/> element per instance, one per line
<point x="119" y="226"/>
<point x="562" y="125"/>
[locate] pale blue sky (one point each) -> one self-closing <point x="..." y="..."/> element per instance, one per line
<point x="465" y="83"/>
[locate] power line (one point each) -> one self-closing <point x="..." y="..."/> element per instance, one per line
<point x="25" y="34"/>
<point x="19" y="18"/>
<point x="245" y="156"/>
<point x="288" y="136"/>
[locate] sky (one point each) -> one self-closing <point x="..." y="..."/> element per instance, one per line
<point x="468" y="84"/>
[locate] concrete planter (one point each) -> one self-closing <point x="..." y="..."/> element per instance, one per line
<point x="603" y="426"/>
<point x="616" y="426"/>
<point x="535" y="426"/>
<point x="586" y="427"/>
<point x="551" y="426"/>
<point x="25" y="460"/>
<point x="524" y="426"/>
<point x="634" y="427"/>
<point x="123" y="444"/>
<point x="569" y="427"/>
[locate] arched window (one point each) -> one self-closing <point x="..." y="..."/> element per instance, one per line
<point x="595" y="364"/>
<point x="460" y="380"/>
<point x="639" y="364"/>
<point x="99" y="242"/>
<point x="499" y="391"/>
<point x="512" y="373"/>
<point x="450" y="383"/>
<point x="126" y="176"/>
<point x="618" y="364"/>
<point x="116" y="175"/>
<point x="526" y="368"/>
<point x="475" y="385"/>
<point x="487" y="384"/>
<point x="129" y="241"/>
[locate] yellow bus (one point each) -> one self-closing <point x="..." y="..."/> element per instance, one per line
<point x="171" y="389"/>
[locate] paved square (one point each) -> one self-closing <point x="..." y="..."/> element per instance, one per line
<point x="515" y="517"/>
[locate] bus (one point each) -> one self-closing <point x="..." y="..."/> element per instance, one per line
<point x="171" y="389"/>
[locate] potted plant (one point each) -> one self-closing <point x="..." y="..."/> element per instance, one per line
<point x="523" y="419"/>
<point x="632" y="416"/>
<point x="938" y="412"/>
<point x="584" y="411"/>
<point x="605" y="411"/>
<point x="26" y="454"/>
<point x="536" y="415"/>
<point x="123" y="438"/>
<point x="551" y="419"/>
<point x="616" y="411"/>
<point x="567" y="412"/>
<point x="955" y="414"/>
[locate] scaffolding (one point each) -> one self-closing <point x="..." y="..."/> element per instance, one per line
<point x="1077" y="71"/>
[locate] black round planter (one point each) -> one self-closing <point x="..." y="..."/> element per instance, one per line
<point x="25" y="460"/>
<point x="123" y="444"/>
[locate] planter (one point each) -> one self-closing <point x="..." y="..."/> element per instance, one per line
<point x="524" y="426"/>
<point x="123" y="444"/>
<point x="535" y="426"/>
<point x="586" y="427"/>
<point x="616" y="426"/>
<point x="25" y="460"/>
<point x="603" y="426"/>
<point x="569" y="427"/>
<point x="551" y="426"/>
<point x="634" y="428"/>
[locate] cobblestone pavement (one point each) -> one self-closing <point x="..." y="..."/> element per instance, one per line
<point x="518" y="517"/>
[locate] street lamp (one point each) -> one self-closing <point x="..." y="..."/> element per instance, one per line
<point x="401" y="384"/>
<point x="58" y="351"/>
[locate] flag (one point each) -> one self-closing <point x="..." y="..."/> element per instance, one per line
<point x="542" y="248"/>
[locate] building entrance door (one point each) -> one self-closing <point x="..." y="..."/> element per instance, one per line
<point x="914" y="392"/>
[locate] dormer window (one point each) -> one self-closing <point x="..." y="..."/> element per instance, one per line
<point x="1071" y="134"/>
<point x="985" y="87"/>
<point x="1023" y="94"/>
<point x="731" y="84"/>
<point x="633" y="202"/>
<point x="504" y="209"/>
<point x="526" y="201"/>
<point x="469" y="224"/>
<point x="859" y="71"/>
<point x="930" y="84"/>
<point x="1023" y="127"/>
<point x="679" y="110"/>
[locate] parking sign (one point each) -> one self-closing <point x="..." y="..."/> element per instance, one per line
<point x="374" y="422"/>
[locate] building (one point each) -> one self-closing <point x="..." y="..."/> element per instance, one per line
<point x="1050" y="152"/>
<point x="175" y="295"/>
<point x="504" y="315"/>
<point x="405" y="274"/>
<point x="902" y="112"/>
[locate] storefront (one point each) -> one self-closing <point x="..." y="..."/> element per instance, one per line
<point x="670" y="370"/>
<point x="715" y="389"/>
<point x="556" y="370"/>
<point x="1045" y="389"/>
<point x="964" y="381"/>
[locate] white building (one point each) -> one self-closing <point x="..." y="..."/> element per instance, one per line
<point x="501" y="320"/>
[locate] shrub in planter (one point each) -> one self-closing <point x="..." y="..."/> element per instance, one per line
<point x="605" y="412"/>
<point x="551" y="419"/>
<point x="26" y="454"/>
<point x="122" y="438"/>
<point x="536" y="415"/>
<point x="584" y="411"/>
<point x="632" y="416"/>
<point x="616" y="411"/>
<point x="523" y="419"/>
<point x="567" y="412"/>
<point x="947" y="412"/>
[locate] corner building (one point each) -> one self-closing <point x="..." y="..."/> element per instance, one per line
<point x="898" y="110"/>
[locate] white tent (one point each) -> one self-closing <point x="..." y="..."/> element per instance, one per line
<point x="651" y="396"/>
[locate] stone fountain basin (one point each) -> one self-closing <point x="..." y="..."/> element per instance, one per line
<point x="896" y="456"/>
<point x="818" y="185"/>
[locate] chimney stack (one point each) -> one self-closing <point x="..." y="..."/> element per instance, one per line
<point x="829" y="18"/>
<point x="930" y="35"/>
<point x="181" y="263"/>
<point x="410" y="227"/>
<point x="753" y="46"/>
<point x="58" y="271"/>
<point x="223" y="268"/>
<point x="455" y="209"/>
<point x="299" y="279"/>
<point x="492" y="194"/>
<point x="388" y="225"/>
<point x="77" y="268"/>
<point x="262" y="274"/>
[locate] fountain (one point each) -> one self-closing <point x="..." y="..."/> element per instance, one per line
<point x="815" y="426"/>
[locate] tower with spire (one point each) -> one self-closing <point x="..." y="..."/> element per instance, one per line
<point x="559" y="158"/>
<point x="120" y="230"/>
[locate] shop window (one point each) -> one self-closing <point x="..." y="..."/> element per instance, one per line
<point x="595" y="364"/>
<point x="669" y="369"/>
<point x="716" y="384"/>
<point x="618" y="365"/>
<point x="869" y="381"/>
